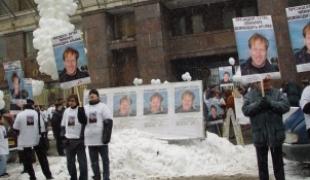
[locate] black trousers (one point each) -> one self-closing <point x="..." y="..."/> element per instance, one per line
<point x="28" y="159"/>
<point x="94" y="151"/>
<point x="59" y="145"/>
<point x="73" y="150"/>
<point x="277" y="162"/>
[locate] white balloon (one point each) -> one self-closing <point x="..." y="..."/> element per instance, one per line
<point x="1" y="95"/>
<point x="231" y="61"/>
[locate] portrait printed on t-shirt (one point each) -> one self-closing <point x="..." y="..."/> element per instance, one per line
<point x="71" y="121"/>
<point x="30" y="121"/>
<point x="92" y="117"/>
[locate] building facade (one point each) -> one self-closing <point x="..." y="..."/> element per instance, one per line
<point x="148" y="38"/>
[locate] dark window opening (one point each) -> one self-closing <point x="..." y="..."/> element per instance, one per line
<point x="200" y="68"/>
<point x="124" y="66"/>
<point x="212" y="17"/>
<point x="124" y="26"/>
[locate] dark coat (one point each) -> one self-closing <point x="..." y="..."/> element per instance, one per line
<point x="267" y="124"/>
<point x="64" y="77"/>
<point x="293" y="91"/>
<point x="302" y="56"/>
<point x="248" y="69"/>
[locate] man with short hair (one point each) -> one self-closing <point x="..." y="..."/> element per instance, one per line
<point x="265" y="113"/>
<point x="26" y="125"/>
<point x="71" y="71"/>
<point x="258" y="62"/>
<point x="303" y="56"/>
<point x="97" y="134"/>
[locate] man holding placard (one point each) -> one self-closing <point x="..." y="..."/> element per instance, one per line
<point x="265" y="107"/>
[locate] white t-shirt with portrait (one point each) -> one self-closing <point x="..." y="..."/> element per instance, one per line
<point x="71" y="123"/>
<point x="96" y="114"/>
<point x="4" y="144"/>
<point x="27" y="124"/>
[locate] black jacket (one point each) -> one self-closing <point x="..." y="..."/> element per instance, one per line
<point x="302" y="56"/>
<point x="247" y="68"/>
<point x="64" y="77"/>
<point x="266" y="121"/>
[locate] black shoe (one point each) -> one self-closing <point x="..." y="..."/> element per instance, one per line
<point x="51" y="177"/>
<point x="4" y="175"/>
<point x="24" y="171"/>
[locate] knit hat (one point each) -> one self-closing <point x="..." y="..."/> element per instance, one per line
<point x="93" y="91"/>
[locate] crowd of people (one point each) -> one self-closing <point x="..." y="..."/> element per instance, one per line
<point x="76" y="127"/>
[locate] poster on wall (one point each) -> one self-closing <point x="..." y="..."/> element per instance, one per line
<point x="125" y="104"/>
<point x="299" y="28"/>
<point x="155" y="102"/>
<point x="257" y="49"/>
<point x="168" y="111"/>
<point x="28" y="87"/>
<point x="71" y="60"/>
<point x="14" y="76"/>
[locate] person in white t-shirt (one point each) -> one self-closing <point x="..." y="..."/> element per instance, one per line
<point x="26" y="125"/>
<point x="73" y="131"/>
<point x="98" y="133"/>
<point x="4" y="149"/>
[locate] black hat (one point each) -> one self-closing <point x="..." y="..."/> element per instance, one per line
<point x="30" y="102"/>
<point x="93" y="91"/>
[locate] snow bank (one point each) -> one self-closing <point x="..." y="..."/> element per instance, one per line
<point x="138" y="155"/>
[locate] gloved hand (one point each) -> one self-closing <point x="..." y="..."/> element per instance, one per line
<point x="265" y="103"/>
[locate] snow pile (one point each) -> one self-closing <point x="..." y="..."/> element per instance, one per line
<point x="37" y="87"/>
<point x="54" y="21"/>
<point x="137" y="155"/>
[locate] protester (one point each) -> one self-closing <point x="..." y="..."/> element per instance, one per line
<point x="56" y="125"/>
<point x="305" y="106"/>
<point x="27" y="125"/>
<point x="74" y="139"/>
<point x="97" y="133"/>
<point x="293" y="92"/>
<point x="267" y="126"/>
<point x="4" y="149"/>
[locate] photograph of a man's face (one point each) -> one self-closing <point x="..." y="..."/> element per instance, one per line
<point x="125" y="105"/>
<point x="155" y="102"/>
<point x="71" y="60"/>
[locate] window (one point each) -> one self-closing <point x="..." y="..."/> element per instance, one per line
<point x="292" y="3"/>
<point x="209" y="17"/>
<point x="30" y="50"/>
<point x="2" y="49"/>
<point x="124" y="26"/>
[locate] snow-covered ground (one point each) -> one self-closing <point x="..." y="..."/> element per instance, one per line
<point x="138" y="155"/>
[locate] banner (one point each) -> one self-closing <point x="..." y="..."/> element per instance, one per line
<point x="169" y="111"/>
<point x="257" y="49"/>
<point x="299" y="28"/>
<point x="71" y="60"/>
<point x="15" y="77"/>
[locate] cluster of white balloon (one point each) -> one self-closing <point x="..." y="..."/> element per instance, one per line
<point x="37" y="87"/>
<point x="54" y="21"/>
<point x="2" y="103"/>
<point x="186" y="77"/>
